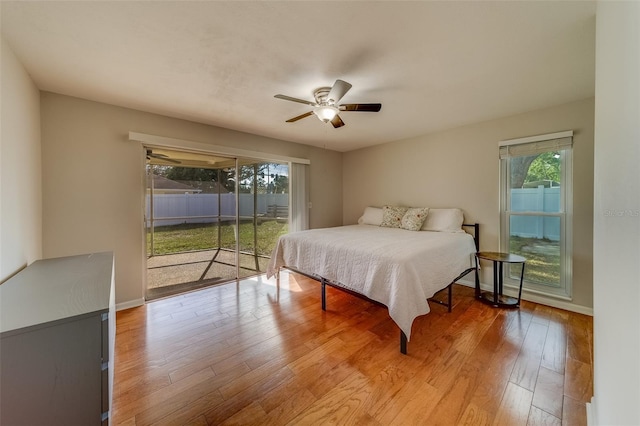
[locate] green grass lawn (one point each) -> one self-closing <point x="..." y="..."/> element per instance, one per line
<point x="190" y="237"/>
<point x="543" y="260"/>
<point x="543" y="256"/>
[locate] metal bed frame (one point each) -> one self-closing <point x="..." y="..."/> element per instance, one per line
<point x="449" y="303"/>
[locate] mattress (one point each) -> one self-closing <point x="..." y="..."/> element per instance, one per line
<point x="398" y="268"/>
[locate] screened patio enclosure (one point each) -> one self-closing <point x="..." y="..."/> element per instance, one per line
<point x="210" y="219"/>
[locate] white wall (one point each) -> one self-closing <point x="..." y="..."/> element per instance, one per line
<point x="460" y="168"/>
<point x="617" y="216"/>
<point x="93" y="180"/>
<point x="20" y="167"/>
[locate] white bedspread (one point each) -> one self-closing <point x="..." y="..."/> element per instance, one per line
<point x="396" y="267"/>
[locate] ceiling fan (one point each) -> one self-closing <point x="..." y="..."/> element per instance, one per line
<point x="326" y="106"/>
<point x="162" y="157"/>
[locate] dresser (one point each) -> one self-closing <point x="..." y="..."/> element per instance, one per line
<point x="57" y="335"/>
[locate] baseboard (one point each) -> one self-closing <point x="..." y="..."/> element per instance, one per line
<point x="129" y="304"/>
<point x="535" y="298"/>
<point x="590" y="413"/>
<point x="560" y="304"/>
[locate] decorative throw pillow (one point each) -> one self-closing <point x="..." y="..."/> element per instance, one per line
<point x="392" y="216"/>
<point x="414" y="218"/>
<point x="371" y="216"/>
<point x="444" y="220"/>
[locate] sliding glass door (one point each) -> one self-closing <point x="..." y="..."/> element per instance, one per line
<point x="263" y="201"/>
<point x="210" y="219"/>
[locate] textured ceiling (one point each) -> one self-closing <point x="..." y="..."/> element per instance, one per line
<point x="432" y="65"/>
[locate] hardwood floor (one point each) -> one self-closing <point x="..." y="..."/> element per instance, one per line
<point x="250" y="354"/>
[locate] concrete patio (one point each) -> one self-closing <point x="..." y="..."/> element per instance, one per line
<point x="180" y="272"/>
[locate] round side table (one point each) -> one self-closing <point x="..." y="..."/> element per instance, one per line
<point x="496" y="298"/>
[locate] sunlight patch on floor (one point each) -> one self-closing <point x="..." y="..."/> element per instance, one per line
<point x="287" y="281"/>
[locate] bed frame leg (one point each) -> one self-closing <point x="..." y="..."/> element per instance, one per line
<point x="323" y="286"/>
<point x="450" y="297"/>
<point x="403" y="343"/>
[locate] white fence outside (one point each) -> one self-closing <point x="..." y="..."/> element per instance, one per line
<point x="538" y="199"/>
<point x="190" y="208"/>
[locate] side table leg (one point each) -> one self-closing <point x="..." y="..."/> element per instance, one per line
<point x="501" y="278"/>
<point x="477" y="278"/>
<point x="495" y="282"/>
<point x="521" y="279"/>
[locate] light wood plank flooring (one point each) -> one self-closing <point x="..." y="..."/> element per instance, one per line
<point x="249" y="353"/>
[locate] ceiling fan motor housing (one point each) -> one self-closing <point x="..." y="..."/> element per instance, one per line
<point x="321" y="95"/>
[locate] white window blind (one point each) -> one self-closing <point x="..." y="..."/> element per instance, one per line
<point x="526" y="146"/>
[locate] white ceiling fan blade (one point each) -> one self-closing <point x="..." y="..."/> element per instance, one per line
<point x="301" y="101"/>
<point x="339" y="89"/>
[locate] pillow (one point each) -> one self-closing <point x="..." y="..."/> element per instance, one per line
<point x="392" y="216"/>
<point x="444" y="220"/>
<point x="414" y="218"/>
<point x="371" y="216"/>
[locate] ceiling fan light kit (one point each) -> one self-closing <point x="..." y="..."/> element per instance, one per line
<point x="325" y="105"/>
<point x="326" y="113"/>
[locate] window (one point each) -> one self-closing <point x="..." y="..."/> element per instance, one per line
<point x="535" y="211"/>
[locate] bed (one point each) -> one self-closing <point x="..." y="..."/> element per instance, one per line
<point x="391" y="265"/>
